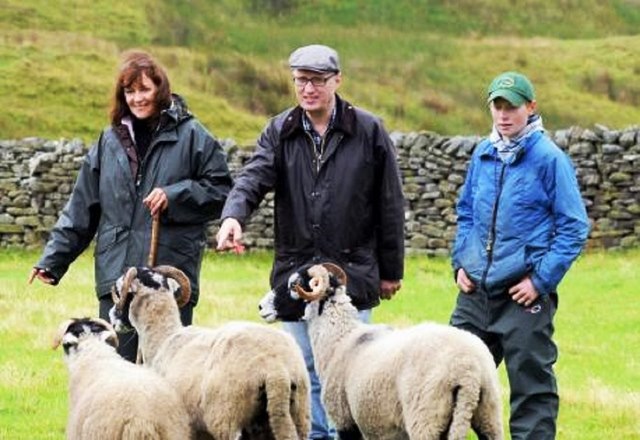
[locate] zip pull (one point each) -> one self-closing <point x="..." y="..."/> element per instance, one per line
<point x="138" y="177"/>
<point x="489" y="246"/>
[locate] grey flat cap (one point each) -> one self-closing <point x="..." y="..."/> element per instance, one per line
<point x="315" y="57"/>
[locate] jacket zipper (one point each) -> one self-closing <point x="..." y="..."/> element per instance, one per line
<point x="492" y="230"/>
<point x="318" y="154"/>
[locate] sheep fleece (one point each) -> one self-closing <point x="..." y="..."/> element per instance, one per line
<point x="384" y="383"/>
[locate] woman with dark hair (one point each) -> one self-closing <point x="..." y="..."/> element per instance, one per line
<point x="154" y="160"/>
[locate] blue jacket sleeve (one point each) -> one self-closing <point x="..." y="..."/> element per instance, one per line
<point x="571" y="227"/>
<point x="464" y="211"/>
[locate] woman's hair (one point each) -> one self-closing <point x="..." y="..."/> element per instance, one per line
<point x="135" y="63"/>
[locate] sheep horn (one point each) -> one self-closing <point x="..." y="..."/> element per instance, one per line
<point x="337" y="272"/>
<point x="132" y="272"/>
<point x="57" y="340"/>
<point x="307" y="296"/>
<point x="181" y="278"/>
<point x="319" y="284"/>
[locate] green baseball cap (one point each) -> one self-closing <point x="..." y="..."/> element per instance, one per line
<point x="512" y="86"/>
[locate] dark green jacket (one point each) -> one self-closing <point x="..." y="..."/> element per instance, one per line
<point x="184" y="160"/>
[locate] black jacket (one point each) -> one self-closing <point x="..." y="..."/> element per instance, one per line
<point x="348" y="209"/>
<point x="184" y="160"/>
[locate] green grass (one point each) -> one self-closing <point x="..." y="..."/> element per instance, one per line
<point x="420" y="65"/>
<point x="596" y="331"/>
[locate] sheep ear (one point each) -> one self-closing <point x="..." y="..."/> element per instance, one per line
<point x="109" y="337"/>
<point x="62" y="329"/>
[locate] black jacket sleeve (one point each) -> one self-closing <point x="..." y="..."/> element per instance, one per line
<point x="79" y="220"/>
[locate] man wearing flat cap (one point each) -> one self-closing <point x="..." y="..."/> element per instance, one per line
<point x="521" y="223"/>
<point x="338" y="196"/>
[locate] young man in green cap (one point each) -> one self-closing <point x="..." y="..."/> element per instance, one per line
<point x="521" y="224"/>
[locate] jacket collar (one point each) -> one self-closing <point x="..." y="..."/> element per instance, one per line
<point x="345" y="119"/>
<point x="488" y="151"/>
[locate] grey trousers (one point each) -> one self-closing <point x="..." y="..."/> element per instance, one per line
<point x="522" y="337"/>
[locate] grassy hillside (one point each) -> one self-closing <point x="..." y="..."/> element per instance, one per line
<point x="418" y="64"/>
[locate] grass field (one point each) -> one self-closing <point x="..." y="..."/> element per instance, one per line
<point x="596" y="330"/>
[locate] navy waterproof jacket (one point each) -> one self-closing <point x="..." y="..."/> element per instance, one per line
<point x="184" y="160"/>
<point x="518" y="219"/>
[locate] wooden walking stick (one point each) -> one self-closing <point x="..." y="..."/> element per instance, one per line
<point x="151" y="262"/>
<point x="153" y="249"/>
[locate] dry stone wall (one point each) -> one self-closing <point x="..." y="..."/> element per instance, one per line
<point x="37" y="175"/>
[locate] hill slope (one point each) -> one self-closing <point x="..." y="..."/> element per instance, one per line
<point x="420" y="65"/>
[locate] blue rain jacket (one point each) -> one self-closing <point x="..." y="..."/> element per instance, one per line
<point x="518" y="219"/>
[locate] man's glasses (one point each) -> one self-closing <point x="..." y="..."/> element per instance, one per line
<point x="316" y="81"/>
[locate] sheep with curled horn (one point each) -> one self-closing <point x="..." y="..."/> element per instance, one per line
<point x="238" y="379"/>
<point x="110" y="398"/>
<point x="425" y="382"/>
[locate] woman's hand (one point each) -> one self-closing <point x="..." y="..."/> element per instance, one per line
<point x="156" y="201"/>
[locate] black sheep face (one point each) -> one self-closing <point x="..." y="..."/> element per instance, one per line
<point x="146" y="278"/>
<point x="283" y="303"/>
<point x="79" y="328"/>
<point x="278" y="305"/>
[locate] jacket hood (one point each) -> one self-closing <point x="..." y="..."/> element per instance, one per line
<point x="177" y="112"/>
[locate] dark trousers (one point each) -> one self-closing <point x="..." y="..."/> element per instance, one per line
<point x="128" y="342"/>
<point x="522" y="336"/>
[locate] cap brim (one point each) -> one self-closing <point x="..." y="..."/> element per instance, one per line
<point x="515" y="99"/>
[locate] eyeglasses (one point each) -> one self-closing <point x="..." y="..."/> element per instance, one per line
<point x="316" y="81"/>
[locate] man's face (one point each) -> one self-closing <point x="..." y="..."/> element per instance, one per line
<point x="510" y="120"/>
<point x="315" y="91"/>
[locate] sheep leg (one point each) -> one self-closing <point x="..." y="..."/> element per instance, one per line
<point x="479" y="434"/>
<point x="487" y="417"/>
<point x="350" y="433"/>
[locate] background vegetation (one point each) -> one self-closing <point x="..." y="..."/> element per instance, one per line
<point x="596" y="331"/>
<point x="419" y="64"/>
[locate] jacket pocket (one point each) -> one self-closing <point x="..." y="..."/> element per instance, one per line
<point x="182" y="247"/>
<point x="108" y="238"/>
<point x="363" y="276"/>
<point x="472" y="257"/>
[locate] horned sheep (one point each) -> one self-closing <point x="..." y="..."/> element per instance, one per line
<point x="240" y="378"/>
<point x="111" y="398"/>
<point x="425" y="382"/>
